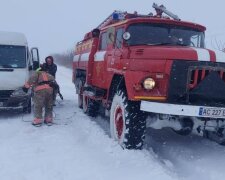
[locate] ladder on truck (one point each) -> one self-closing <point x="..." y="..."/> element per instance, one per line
<point x="116" y="15"/>
<point x="162" y="9"/>
<point x="121" y="15"/>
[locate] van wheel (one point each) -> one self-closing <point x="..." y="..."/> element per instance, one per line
<point x="127" y="122"/>
<point x="90" y="106"/>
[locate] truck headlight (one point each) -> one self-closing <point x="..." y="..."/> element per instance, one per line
<point x="149" y="83"/>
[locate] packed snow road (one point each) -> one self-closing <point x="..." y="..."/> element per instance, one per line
<point x="77" y="147"/>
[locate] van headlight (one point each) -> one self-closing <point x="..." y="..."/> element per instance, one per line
<point x="19" y="92"/>
<point x="149" y="83"/>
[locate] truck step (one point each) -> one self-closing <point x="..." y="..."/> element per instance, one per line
<point x="94" y="92"/>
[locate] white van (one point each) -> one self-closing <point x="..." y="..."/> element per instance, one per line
<point x="16" y="65"/>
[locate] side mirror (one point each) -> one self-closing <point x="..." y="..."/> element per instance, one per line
<point x="36" y="65"/>
<point x="126" y="36"/>
<point x="35" y="58"/>
<point x="30" y="68"/>
<point x="95" y="33"/>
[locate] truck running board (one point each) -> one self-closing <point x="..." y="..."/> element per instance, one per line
<point x="94" y="92"/>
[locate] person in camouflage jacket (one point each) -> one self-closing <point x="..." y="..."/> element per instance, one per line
<point x="43" y="96"/>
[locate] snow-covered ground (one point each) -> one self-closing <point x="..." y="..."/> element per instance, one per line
<point x="78" y="147"/>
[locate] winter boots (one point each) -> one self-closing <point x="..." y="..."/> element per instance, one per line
<point x="48" y="121"/>
<point x="37" y="122"/>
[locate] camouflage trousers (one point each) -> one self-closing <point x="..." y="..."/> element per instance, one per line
<point x="43" y="99"/>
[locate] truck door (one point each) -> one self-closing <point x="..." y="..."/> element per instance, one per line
<point x="114" y="52"/>
<point x="114" y="57"/>
<point x="108" y="56"/>
<point x="99" y="62"/>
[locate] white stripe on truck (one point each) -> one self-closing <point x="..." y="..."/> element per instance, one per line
<point x="99" y="56"/>
<point x="220" y="56"/>
<point x="76" y="58"/>
<point x="203" y="54"/>
<point x="84" y="57"/>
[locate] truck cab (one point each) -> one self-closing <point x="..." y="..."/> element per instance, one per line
<point x="16" y="65"/>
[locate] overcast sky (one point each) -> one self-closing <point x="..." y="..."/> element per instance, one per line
<point x="56" y="25"/>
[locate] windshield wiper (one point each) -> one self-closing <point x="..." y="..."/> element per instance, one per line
<point x="160" y="44"/>
<point x="6" y="66"/>
<point x="168" y="43"/>
<point x="183" y="44"/>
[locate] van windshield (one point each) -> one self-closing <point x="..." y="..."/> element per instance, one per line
<point x="165" y="34"/>
<point x="12" y="56"/>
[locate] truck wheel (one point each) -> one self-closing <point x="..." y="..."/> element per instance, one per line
<point x="80" y="100"/>
<point x="127" y="122"/>
<point x="217" y="136"/>
<point x="90" y="106"/>
<point x="80" y="95"/>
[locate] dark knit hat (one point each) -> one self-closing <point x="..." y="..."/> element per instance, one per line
<point x="49" y="57"/>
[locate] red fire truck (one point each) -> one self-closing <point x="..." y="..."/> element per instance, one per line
<point x="137" y="68"/>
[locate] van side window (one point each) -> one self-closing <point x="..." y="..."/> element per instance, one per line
<point x="119" y="39"/>
<point x="103" y="43"/>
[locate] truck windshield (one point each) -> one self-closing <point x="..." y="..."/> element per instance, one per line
<point x="158" y="34"/>
<point x="12" y="56"/>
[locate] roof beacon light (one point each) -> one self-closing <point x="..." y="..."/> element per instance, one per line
<point x="117" y="15"/>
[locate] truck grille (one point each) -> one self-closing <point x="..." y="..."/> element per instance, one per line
<point x="196" y="75"/>
<point x="197" y="83"/>
<point x="5" y="94"/>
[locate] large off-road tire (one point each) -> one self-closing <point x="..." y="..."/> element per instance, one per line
<point x="127" y="122"/>
<point x="80" y="100"/>
<point x="80" y="94"/>
<point x="90" y="106"/>
<point x="217" y="136"/>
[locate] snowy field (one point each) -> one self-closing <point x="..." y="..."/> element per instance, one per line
<point x="78" y="147"/>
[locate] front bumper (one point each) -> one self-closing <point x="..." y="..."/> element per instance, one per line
<point x="182" y="110"/>
<point x="19" y="108"/>
<point x="14" y="102"/>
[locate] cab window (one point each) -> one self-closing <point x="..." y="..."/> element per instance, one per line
<point x="119" y="39"/>
<point x="103" y="43"/>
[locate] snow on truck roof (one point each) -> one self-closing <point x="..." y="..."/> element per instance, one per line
<point x="12" y="38"/>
